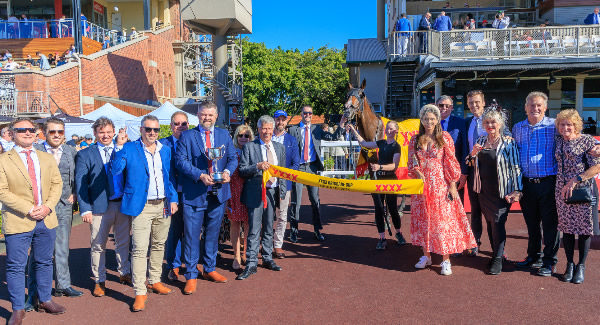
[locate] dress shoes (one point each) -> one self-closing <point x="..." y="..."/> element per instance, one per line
<point x="294" y="235"/>
<point x="545" y="270"/>
<point x="125" y="279"/>
<point x="248" y="271"/>
<point x="214" y="276"/>
<point x="568" y="275"/>
<point x="173" y="274"/>
<point x="319" y="236"/>
<point x="139" y="303"/>
<point x="99" y="289"/>
<point x="271" y="265"/>
<point x="495" y="266"/>
<point x="68" y="292"/>
<point x="51" y="307"/>
<point x="190" y="286"/>
<point x="579" y="274"/>
<point x="159" y="288"/>
<point x="529" y="262"/>
<point x="279" y="253"/>
<point x="17" y="317"/>
<point x="473" y="251"/>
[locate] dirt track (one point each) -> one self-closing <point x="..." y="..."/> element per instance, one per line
<point x="343" y="280"/>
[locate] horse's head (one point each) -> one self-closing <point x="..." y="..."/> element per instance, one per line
<point x="354" y="101"/>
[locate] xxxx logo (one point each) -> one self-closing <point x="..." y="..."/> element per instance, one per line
<point x="388" y="187"/>
<point x="285" y="175"/>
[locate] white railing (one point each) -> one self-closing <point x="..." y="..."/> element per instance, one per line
<point x="498" y="43"/>
<point x="339" y="157"/>
<point x="16" y="103"/>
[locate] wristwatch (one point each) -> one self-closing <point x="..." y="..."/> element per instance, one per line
<point x="380" y="167"/>
<point x="579" y="179"/>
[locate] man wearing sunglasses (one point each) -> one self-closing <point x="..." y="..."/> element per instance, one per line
<point x="174" y="246"/>
<point x="54" y="131"/>
<point x="308" y="138"/>
<point x="30" y="188"/>
<point x="203" y="202"/>
<point x="150" y="198"/>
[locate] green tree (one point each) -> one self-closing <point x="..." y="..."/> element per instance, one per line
<point x="287" y="79"/>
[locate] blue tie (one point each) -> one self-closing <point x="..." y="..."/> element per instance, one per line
<point x="444" y="125"/>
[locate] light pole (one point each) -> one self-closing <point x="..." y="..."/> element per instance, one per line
<point x="77" y="30"/>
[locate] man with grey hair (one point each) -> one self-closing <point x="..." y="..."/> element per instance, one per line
<point x="7" y="139"/>
<point x="456" y="126"/>
<point x="257" y="157"/>
<point x="150" y="199"/>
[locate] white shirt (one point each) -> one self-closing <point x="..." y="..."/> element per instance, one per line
<point x="36" y="167"/>
<point x="475" y="123"/>
<point x="501" y="23"/>
<point x="279" y="138"/>
<point x="156" y="186"/>
<point x="263" y="150"/>
<point x="111" y="147"/>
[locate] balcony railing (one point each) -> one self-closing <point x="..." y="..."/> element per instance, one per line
<point x="17" y="103"/>
<point x="498" y="43"/>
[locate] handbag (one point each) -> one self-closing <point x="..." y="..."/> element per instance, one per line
<point x="582" y="193"/>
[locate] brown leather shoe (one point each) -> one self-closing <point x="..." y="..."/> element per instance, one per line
<point x="51" y="307"/>
<point x="140" y="303"/>
<point x="279" y="253"/>
<point x="190" y="286"/>
<point x="17" y="317"/>
<point x="173" y="275"/>
<point x="159" y="288"/>
<point x="99" y="289"/>
<point x="214" y="277"/>
<point x="125" y="279"/>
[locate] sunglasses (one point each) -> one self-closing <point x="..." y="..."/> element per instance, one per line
<point x="25" y="130"/>
<point x="444" y="105"/>
<point x="53" y="132"/>
<point x="180" y="123"/>
<point x="247" y="136"/>
<point x="148" y="130"/>
<point x="307" y="113"/>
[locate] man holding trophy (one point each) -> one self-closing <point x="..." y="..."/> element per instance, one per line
<point x="205" y="156"/>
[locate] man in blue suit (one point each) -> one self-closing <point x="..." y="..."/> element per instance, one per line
<point x="403" y="26"/>
<point x="593" y="18"/>
<point x="456" y="127"/>
<point x="174" y="246"/>
<point x="150" y="198"/>
<point x="442" y="23"/>
<point x="203" y="199"/>
<point x="99" y="195"/>
<point x="424" y="26"/>
<point x="292" y="160"/>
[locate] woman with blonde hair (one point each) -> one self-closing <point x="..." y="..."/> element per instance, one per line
<point x="439" y="223"/>
<point x="238" y="213"/>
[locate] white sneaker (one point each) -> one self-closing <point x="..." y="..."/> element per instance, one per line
<point x="446" y="268"/>
<point x="424" y="262"/>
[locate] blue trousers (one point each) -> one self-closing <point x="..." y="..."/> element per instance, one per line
<point x="41" y="240"/>
<point x="193" y="220"/>
<point x="174" y="246"/>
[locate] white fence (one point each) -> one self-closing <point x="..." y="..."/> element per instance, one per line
<point x="339" y="158"/>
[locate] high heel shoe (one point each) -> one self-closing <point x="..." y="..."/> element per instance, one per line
<point x="568" y="275"/>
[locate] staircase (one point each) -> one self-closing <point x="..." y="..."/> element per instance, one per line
<point x="400" y="89"/>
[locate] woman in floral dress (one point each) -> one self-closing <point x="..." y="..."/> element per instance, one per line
<point x="439" y="223"/>
<point x="238" y="213"/>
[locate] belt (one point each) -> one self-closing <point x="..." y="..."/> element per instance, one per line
<point x="538" y="180"/>
<point x="117" y="200"/>
<point x="155" y="201"/>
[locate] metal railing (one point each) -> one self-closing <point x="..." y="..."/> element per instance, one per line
<point x="23" y="29"/>
<point x="339" y="157"/>
<point x="15" y="103"/>
<point x="498" y="43"/>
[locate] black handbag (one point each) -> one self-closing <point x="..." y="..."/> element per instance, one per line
<point x="582" y="193"/>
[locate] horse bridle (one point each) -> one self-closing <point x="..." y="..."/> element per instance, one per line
<point x="360" y="95"/>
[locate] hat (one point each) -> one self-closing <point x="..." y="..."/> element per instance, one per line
<point x="280" y="113"/>
<point x="75" y="135"/>
<point x="88" y="136"/>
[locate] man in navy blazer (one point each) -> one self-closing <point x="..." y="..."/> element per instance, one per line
<point x="424" y="26"/>
<point x="174" y="245"/>
<point x="99" y="195"/>
<point x="456" y="127"/>
<point x="150" y="198"/>
<point x="201" y="205"/>
<point x="292" y="160"/>
<point x="593" y="18"/>
<point x="442" y="23"/>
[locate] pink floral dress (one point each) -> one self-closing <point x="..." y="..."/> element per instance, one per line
<point x="438" y="224"/>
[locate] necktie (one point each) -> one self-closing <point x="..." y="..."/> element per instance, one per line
<point x="306" y="143"/>
<point x="31" y="170"/>
<point x="107" y="155"/>
<point x="475" y="134"/>
<point x="444" y="125"/>
<point x="207" y="133"/>
<point x="56" y="154"/>
<point x="270" y="160"/>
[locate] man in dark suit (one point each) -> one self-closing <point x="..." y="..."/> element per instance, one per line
<point x="174" y="246"/>
<point x="593" y="18"/>
<point x="99" y="195"/>
<point x="54" y="131"/>
<point x="150" y="198"/>
<point x="424" y="26"/>
<point x="309" y="145"/>
<point x="456" y="127"/>
<point x="203" y="199"/>
<point x="257" y="156"/>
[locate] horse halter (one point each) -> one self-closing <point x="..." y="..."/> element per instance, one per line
<point x="360" y="96"/>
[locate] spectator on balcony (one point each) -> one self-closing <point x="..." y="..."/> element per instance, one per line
<point x="30" y="61"/>
<point x="43" y="61"/>
<point x="11" y="65"/>
<point x="133" y="33"/>
<point x="424" y="25"/>
<point x="403" y="26"/>
<point x="106" y="43"/>
<point x="501" y="21"/>
<point x="61" y="61"/>
<point x="442" y="23"/>
<point x="593" y="18"/>
<point x="5" y="55"/>
<point x="470" y="22"/>
<point x="6" y="140"/>
<point x="447" y="5"/>
<point x="84" y="26"/>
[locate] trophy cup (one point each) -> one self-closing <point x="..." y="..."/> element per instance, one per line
<point x="214" y="154"/>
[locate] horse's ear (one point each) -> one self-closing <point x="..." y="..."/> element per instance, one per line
<point x="364" y="84"/>
<point x="349" y="86"/>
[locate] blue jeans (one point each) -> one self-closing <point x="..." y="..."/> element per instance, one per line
<point x="41" y="240"/>
<point x="193" y="219"/>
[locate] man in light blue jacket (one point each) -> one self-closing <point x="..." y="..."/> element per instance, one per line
<point x="442" y="23"/>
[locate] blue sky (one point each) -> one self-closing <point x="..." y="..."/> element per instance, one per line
<point x="311" y="23"/>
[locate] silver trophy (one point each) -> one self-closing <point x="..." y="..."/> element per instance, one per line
<point x="214" y="154"/>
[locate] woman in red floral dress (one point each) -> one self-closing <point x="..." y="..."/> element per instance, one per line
<point x="238" y="213"/>
<point x="438" y="221"/>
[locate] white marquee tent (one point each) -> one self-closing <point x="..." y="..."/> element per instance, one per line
<point x="119" y="117"/>
<point x="163" y="113"/>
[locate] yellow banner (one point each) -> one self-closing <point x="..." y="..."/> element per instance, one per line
<point x="404" y="186"/>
